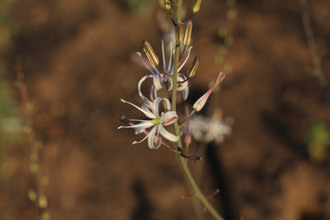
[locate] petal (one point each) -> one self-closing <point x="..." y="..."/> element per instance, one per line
<point x="153" y="93"/>
<point x="182" y="78"/>
<point x="140" y="83"/>
<point x="151" y="137"/>
<point x="169" y="118"/>
<point x="155" y="105"/>
<point x="169" y="136"/>
<point x="185" y="93"/>
<point x="145" y="124"/>
<point x="157" y="81"/>
<point x="145" y="112"/>
<point x="167" y="104"/>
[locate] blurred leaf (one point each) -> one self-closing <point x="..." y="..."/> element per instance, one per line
<point x="318" y="141"/>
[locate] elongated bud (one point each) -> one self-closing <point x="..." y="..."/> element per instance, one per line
<point x="168" y="5"/>
<point x="179" y="34"/>
<point x="197" y="5"/>
<point x="199" y="104"/>
<point x="187" y="34"/>
<point x="193" y="68"/>
<point x="150" y="53"/>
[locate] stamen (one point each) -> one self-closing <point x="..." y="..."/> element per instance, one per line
<point x="144" y="63"/>
<point x="185" y="60"/>
<point x="163" y="55"/>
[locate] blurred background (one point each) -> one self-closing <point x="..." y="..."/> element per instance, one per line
<point x="76" y="60"/>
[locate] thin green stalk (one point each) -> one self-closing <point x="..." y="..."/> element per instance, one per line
<point x="189" y="178"/>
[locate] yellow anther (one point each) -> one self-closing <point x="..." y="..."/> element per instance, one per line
<point x="150" y="53"/>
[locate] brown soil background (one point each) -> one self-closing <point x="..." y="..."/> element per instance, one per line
<point x="76" y="59"/>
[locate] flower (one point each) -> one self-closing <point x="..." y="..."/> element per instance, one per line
<point x="207" y="129"/>
<point x="156" y="121"/>
<point x="162" y="77"/>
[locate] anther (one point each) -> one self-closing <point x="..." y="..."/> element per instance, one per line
<point x="150" y="53"/>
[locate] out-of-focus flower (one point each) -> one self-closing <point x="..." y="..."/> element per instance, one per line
<point x="156" y="121"/>
<point x="206" y="129"/>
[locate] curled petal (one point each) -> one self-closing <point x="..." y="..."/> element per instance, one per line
<point x="140" y="84"/>
<point x="157" y="81"/>
<point x="155" y="105"/>
<point x="169" y="118"/>
<point x="183" y="86"/>
<point x="151" y="138"/>
<point x="169" y="136"/>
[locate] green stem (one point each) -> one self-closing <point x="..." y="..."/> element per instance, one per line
<point x="192" y="185"/>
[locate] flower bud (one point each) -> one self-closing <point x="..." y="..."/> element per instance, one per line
<point x="179" y="34"/>
<point x="193" y="68"/>
<point x="167" y="4"/>
<point x="196" y="6"/>
<point x="150" y="53"/>
<point x="187" y="34"/>
<point x="199" y="104"/>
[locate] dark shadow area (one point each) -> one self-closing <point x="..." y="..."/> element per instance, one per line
<point x="143" y="208"/>
<point x="219" y="177"/>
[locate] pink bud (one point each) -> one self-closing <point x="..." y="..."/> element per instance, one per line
<point x="199" y="104"/>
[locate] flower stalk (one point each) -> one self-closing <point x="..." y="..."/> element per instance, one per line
<point x="192" y="185"/>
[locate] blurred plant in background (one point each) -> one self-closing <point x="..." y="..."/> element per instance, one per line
<point x="142" y="8"/>
<point x="225" y="38"/>
<point x="318" y="141"/>
<point x="10" y="120"/>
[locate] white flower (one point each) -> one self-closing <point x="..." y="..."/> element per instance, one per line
<point x="156" y="121"/>
<point x="162" y="77"/>
<point x="206" y="129"/>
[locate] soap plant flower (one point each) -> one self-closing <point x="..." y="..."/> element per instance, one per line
<point x="156" y="121"/>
